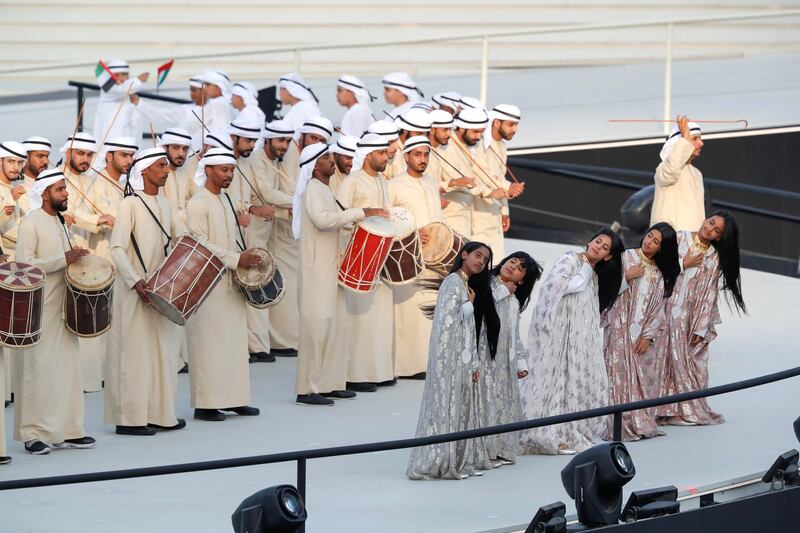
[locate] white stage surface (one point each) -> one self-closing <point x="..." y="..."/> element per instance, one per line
<point x="370" y="492"/>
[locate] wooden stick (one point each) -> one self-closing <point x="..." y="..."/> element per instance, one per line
<point x="504" y="164"/>
<point x="642" y="120"/>
<point x="153" y="134"/>
<point x="83" y="195"/>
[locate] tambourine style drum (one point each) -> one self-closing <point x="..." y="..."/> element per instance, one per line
<point x="441" y="250"/>
<point x="366" y="254"/>
<point x="262" y="285"/>
<point x="89" y="296"/>
<point x="184" y="280"/>
<point x="21" y="304"/>
<point x="404" y="264"/>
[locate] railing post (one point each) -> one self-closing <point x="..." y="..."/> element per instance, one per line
<point x="668" y="83"/>
<point x="618" y="427"/>
<point x="80" y="106"/>
<point x="297" y="60"/>
<point x="301" y="484"/>
<point x="485" y="71"/>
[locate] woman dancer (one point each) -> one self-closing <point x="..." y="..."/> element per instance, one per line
<point x="635" y="322"/>
<point x="565" y="349"/>
<point x="693" y="313"/>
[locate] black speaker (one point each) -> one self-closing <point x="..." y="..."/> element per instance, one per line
<point x="268" y="102"/>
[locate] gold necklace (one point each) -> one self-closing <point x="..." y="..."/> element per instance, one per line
<point x="650" y="267"/>
<point x="699" y="246"/>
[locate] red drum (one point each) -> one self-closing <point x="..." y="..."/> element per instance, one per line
<point x="21" y="304"/>
<point x="404" y="264"/>
<point x="442" y="248"/>
<point x="366" y="254"/>
<point x="87" y="301"/>
<point x="184" y="280"/>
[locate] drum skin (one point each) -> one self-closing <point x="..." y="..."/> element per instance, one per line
<point x="442" y="248"/>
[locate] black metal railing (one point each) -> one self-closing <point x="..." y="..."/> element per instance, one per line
<point x="302" y="456"/>
<point x="81" y="86"/>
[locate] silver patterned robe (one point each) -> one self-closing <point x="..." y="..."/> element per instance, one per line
<point x="447" y="401"/>
<point x="637" y="312"/>
<point x="499" y="375"/>
<point x="691" y="310"/>
<point x="565" y="358"/>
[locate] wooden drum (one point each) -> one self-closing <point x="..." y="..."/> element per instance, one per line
<point x="404" y="264"/>
<point x="441" y="250"/>
<point x="89" y="296"/>
<point x="21" y="304"/>
<point x="184" y="280"/>
<point x="262" y="286"/>
<point x="366" y="254"/>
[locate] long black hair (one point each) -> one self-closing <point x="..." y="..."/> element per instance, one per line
<point x="533" y="271"/>
<point x="483" y="305"/>
<point x="728" y="251"/>
<point x="666" y="259"/>
<point x="609" y="273"/>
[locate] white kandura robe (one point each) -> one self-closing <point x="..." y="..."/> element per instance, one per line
<point x="487" y="213"/>
<point x="458" y="212"/>
<point x="219" y="371"/>
<point x="357" y="119"/>
<point x="141" y="378"/>
<point x="48" y="404"/>
<point x="679" y="196"/>
<point x="412" y="328"/>
<point x="370" y="316"/>
<point x="299" y="113"/>
<point x="106" y="197"/>
<point x="116" y="116"/>
<point x="322" y="353"/>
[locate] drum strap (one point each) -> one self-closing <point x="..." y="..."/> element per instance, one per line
<point x="64" y="227"/>
<point x="138" y="252"/>
<point x="236" y="218"/>
<point x="157" y="221"/>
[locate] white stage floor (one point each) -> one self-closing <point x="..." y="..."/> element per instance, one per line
<point x="370" y="492"/>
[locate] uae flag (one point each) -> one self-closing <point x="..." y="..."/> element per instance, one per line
<point x="105" y="78"/>
<point x="163" y="70"/>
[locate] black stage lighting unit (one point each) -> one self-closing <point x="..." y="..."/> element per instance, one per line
<point x="594" y="479"/>
<point x="783" y="471"/>
<point x="549" y="519"/>
<point x="651" y="503"/>
<point x="278" y="509"/>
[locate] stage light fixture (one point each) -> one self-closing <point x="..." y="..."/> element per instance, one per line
<point x="594" y="479"/>
<point x="783" y="471"/>
<point x="549" y="519"/>
<point x="651" y="503"/>
<point x="278" y="509"/>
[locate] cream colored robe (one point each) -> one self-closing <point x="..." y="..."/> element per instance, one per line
<point x="260" y="172"/>
<point x="370" y="316"/>
<point x="322" y="352"/>
<point x="106" y="196"/>
<point x="49" y="399"/>
<point x="458" y="213"/>
<point x="141" y="379"/>
<point x="336" y="181"/>
<point x="487" y="213"/>
<point x="8" y="228"/>
<point x="85" y="219"/>
<point x="217" y="333"/>
<point x="412" y="329"/>
<point x="679" y="197"/>
<point x="279" y="191"/>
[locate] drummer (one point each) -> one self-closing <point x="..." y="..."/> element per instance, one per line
<point x="217" y="333"/>
<point x="103" y="189"/>
<point x="343" y="151"/>
<point x="417" y="192"/>
<point x="49" y="400"/>
<point x="370" y="316"/>
<point x="322" y="354"/>
<point x="140" y="375"/>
